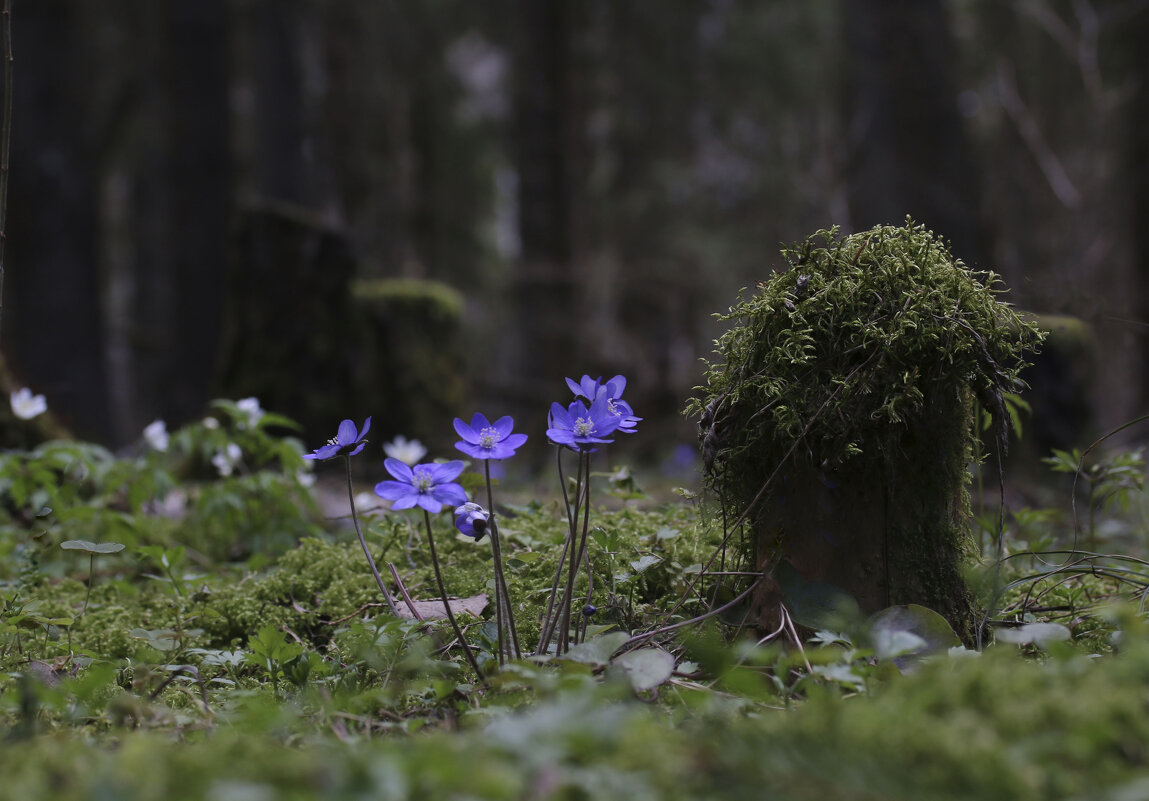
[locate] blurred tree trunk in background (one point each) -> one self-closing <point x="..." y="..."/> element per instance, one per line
<point x="544" y="137"/>
<point x="596" y="177"/>
<point x="51" y="278"/>
<point x="116" y="302"/>
<point x="1137" y="132"/>
<point x="199" y="173"/>
<point x="909" y="153"/>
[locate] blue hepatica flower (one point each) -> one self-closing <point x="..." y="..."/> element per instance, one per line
<point x="593" y="388"/>
<point x="471" y="519"/>
<point x="348" y="442"/>
<point x="579" y="427"/>
<point x="429" y="486"/>
<point x="485" y="440"/>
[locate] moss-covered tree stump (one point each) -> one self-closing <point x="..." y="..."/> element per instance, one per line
<point x="313" y="343"/>
<point x="839" y="416"/>
<point x="413" y="364"/>
<point x="289" y="335"/>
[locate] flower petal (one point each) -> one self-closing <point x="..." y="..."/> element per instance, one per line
<point x="504" y="426"/>
<point x="467" y="432"/>
<point x="560" y="418"/>
<point x="325" y="452"/>
<point x="348" y="433"/>
<point x="447" y="471"/>
<point x="399" y="470"/>
<point x="472" y="450"/>
<point x="560" y="436"/>
<point x="425" y="501"/>
<point x="366" y="427"/>
<point x="616" y="386"/>
<point x="479" y="422"/>
<point x="449" y="494"/>
<point x="394" y="490"/>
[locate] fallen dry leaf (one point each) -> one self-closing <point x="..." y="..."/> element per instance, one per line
<point x="432" y="610"/>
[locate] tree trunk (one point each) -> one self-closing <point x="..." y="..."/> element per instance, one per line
<point x="910" y="152"/>
<point x="888" y="528"/>
<point x="54" y="334"/>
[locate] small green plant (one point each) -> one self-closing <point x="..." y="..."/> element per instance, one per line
<point x="270" y="649"/>
<point x="1109" y="481"/>
<point x="92" y="549"/>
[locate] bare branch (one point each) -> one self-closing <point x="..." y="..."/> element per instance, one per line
<point x="1030" y="132"/>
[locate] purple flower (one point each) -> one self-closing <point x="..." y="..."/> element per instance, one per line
<point x="348" y="442"/>
<point x="592" y="388"/>
<point x="484" y="440"/>
<point x="471" y="520"/>
<point x="578" y="427"/>
<point x="429" y="486"/>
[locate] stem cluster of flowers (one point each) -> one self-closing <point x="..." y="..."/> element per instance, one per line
<point x="596" y="413"/>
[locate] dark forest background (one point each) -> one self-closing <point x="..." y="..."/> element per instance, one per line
<point x="594" y="178"/>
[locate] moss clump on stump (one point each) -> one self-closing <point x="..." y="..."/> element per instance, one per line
<point x="839" y="414"/>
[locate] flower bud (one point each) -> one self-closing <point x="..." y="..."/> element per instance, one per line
<point x="471" y="520"/>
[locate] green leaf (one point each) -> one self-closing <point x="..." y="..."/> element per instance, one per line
<point x="597" y="651"/>
<point x="92" y="547"/>
<point x="646" y="668"/>
<point x="160" y="639"/>
<point x="1039" y="634"/>
<point x="643" y="563"/>
<point x="899" y="631"/>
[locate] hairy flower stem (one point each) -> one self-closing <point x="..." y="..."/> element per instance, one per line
<point x="549" y="619"/>
<point x="447" y="605"/>
<point x="503" y="612"/>
<point x="577" y="553"/>
<point x="363" y="543"/>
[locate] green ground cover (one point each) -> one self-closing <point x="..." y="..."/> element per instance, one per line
<point x="236" y="647"/>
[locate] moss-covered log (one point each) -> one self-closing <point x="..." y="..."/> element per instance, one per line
<point x="839" y="417"/>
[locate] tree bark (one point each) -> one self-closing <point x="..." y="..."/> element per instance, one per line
<point x="52" y="318"/>
<point x="910" y="152"/>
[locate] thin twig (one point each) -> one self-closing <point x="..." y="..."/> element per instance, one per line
<point x="640" y="638"/>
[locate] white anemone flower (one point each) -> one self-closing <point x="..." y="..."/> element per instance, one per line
<point x="409" y="452"/>
<point x="251" y="407"/>
<point x="225" y="461"/>
<point x="25" y="405"/>
<point x="156" y="434"/>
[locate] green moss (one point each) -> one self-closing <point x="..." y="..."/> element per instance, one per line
<point x="994" y="727"/>
<point x="442" y="302"/>
<point x="412" y="362"/>
<point x="839" y="414"/>
<point x="850" y="338"/>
